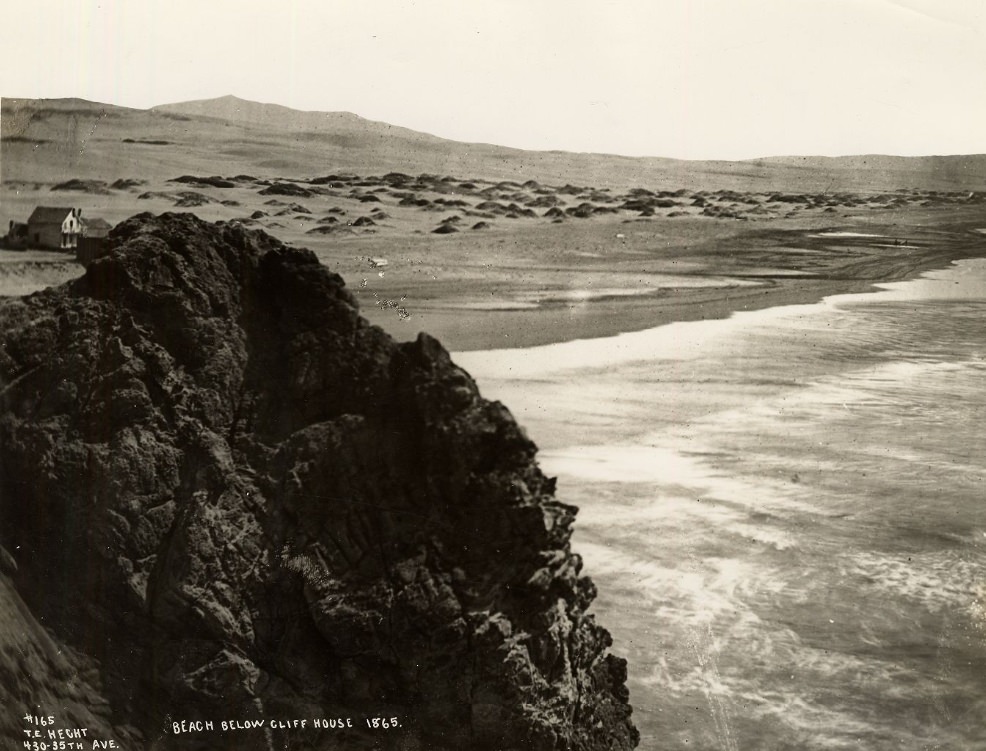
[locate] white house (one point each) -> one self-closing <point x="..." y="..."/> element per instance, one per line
<point x="55" y="228"/>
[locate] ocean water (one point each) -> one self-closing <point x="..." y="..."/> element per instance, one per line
<point x="785" y="513"/>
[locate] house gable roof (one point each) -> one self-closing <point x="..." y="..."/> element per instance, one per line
<point x="48" y="215"/>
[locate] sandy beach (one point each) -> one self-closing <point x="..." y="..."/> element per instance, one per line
<point x="525" y="286"/>
<point x="659" y="273"/>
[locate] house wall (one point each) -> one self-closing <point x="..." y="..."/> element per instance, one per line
<point x="70" y="231"/>
<point x="55" y="236"/>
<point x="46" y="235"/>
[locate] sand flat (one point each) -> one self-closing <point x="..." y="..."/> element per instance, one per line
<point x="527" y="279"/>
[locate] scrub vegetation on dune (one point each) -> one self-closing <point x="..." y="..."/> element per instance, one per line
<point x="496" y="243"/>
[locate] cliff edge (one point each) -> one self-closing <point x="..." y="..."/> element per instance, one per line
<point x="224" y="496"/>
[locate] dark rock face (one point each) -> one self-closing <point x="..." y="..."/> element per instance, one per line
<point x="228" y="497"/>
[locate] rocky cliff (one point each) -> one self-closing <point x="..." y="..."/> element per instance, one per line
<point x="225" y="497"/>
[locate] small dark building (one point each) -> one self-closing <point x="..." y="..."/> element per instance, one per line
<point x="17" y="236"/>
<point x="96" y="227"/>
<point x="93" y="241"/>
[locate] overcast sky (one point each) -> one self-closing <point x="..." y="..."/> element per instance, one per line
<point x="712" y="79"/>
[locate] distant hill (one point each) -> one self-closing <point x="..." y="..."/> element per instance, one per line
<point x="51" y="140"/>
<point x="278" y="117"/>
<point x="957" y="171"/>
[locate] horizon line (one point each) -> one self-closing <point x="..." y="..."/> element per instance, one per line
<point x="607" y="154"/>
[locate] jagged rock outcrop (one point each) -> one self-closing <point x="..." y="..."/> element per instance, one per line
<point x="226" y="496"/>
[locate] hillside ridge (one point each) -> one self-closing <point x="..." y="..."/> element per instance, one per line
<point x="43" y="139"/>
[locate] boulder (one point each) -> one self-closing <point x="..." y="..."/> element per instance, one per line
<point x="226" y="496"/>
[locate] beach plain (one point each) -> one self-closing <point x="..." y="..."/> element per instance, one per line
<point x="487" y="247"/>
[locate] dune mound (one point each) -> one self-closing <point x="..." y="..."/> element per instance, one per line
<point x="582" y="211"/>
<point x="545" y="201"/>
<point x="191" y="199"/>
<point x="286" y="189"/>
<point x="492" y="207"/>
<point x="97" y="187"/>
<point x="204" y="182"/>
<point x="127" y="183"/>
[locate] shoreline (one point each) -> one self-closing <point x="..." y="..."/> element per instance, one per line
<point x="470" y="330"/>
<point x="547" y="290"/>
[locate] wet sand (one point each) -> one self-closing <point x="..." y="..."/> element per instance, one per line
<point x="529" y="286"/>
<point x="764" y="268"/>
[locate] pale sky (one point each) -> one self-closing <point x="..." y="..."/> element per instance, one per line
<point x="696" y="79"/>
